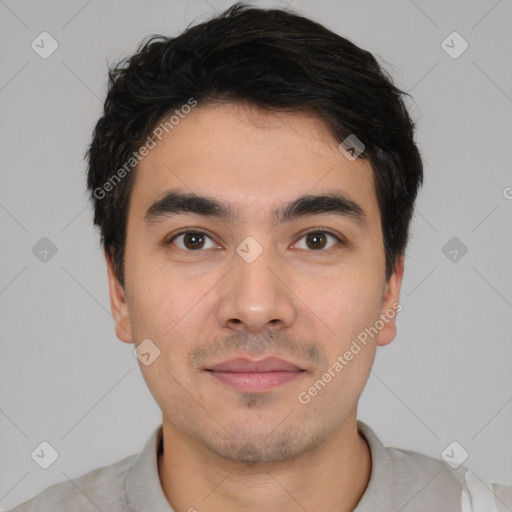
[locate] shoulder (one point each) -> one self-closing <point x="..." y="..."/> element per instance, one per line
<point x="407" y="468"/>
<point x="407" y="480"/>
<point x="428" y="475"/>
<point x="461" y="482"/>
<point x="99" y="489"/>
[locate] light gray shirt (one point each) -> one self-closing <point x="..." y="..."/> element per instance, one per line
<point x="401" y="480"/>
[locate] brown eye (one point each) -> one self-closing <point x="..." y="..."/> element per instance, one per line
<point x="318" y="240"/>
<point x="191" y="240"/>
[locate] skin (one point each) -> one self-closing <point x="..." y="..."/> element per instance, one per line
<point x="225" y="449"/>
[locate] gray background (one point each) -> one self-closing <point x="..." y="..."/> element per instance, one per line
<point x="67" y="380"/>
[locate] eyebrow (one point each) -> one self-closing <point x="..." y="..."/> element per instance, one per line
<point x="176" y="203"/>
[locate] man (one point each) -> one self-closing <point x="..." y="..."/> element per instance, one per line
<point x="253" y="180"/>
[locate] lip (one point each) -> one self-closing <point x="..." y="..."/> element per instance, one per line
<point x="268" y="364"/>
<point x="250" y="376"/>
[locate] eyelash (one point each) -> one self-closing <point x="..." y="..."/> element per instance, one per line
<point x="316" y="231"/>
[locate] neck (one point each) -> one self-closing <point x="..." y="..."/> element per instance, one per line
<point x="332" y="477"/>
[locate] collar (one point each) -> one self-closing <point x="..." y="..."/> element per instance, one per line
<point x="143" y="488"/>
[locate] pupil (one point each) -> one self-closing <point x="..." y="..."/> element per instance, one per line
<point x="317" y="236"/>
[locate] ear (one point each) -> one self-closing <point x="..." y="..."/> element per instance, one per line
<point x="391" y="304"/>
<point x="118" y="304"/>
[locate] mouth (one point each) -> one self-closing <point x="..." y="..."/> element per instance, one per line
<point x="250" y="376"/>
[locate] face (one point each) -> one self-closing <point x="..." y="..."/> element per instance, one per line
<point x="254" y="277"/>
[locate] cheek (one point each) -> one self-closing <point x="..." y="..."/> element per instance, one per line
<point x="335" y="390"/>
<point x="160" y="296"/>
<point x="170" y="310"/>
<point x="347" y="302"/>
<point x="163" y="312"/>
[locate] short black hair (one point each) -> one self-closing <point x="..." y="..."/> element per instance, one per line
<point x="270" y="58"/>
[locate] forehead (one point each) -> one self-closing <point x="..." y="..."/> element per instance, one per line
<point x="252" y="159"/>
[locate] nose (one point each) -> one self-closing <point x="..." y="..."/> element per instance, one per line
<point x="256" y="296"/>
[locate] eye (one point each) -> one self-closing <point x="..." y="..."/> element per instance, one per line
<point x="317" y="240"/>
<point x="192" y="240"/>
